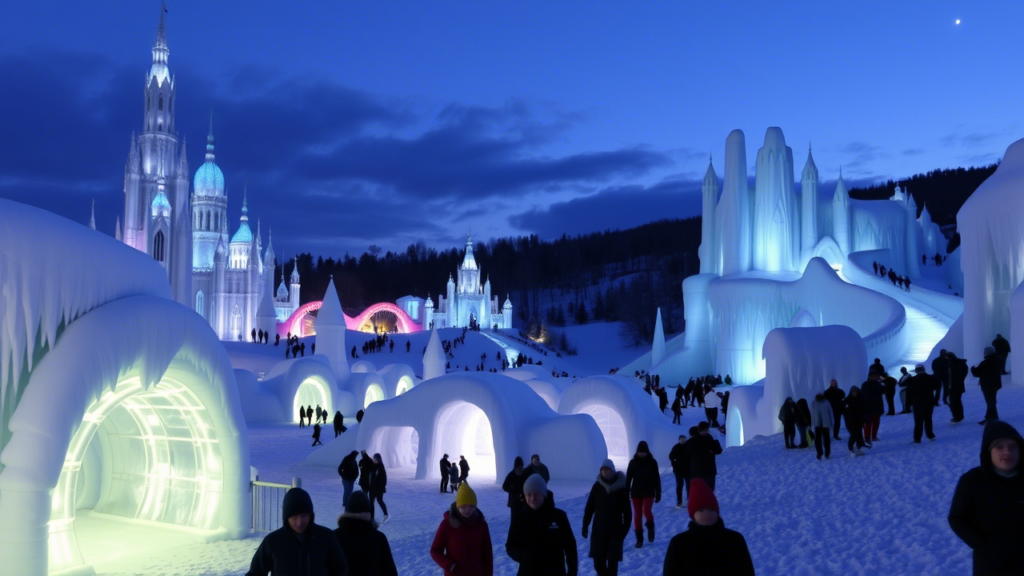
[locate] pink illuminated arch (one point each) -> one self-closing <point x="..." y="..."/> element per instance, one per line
<point x="296" y="326"/>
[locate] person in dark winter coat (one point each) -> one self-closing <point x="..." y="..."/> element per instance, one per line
<point x="787" y="415"/>
<point x="854" y="413"/>
<point x="339" y="424"/>
<point x="540" y="539"/>
<point x="643" y="480"/>
<point x="679" y="457"/>
<point x="462" y="543"/>
<point x="803" y="421"/>
<point x="359" y="417"/>
<point x="835" y="396"/>
<point x="702" y="449"/>
<point x="957" y="386"/>
<point x="445" y="470"/>
<point x="513" y="485"/>
<point x="677" y="410"/>
<point x="608" y="507"/>
<point x="987" y="511"/>
<point x="453" y="477"/>
<point x="349" y="472"/>
<point x="902" y="383"/>
<point x="707" y="548"/>
<point x="366" y="549"/>
<point x="378" y="486"/>
<point x="300" y="546"/>
<point x="889" y="385"/>
<point x="1002" y="349"/>
<point x="823" y="420"/>
<point x="537" y="467"/>
<point x="463" y="469"/>
<point x="871" y="394"/>
<point x="316" y="435"/>
<point x="921" y="389"/>
<point x="302" y="416"/>
<point x="990" y="379"/>
<point x="940" y="369"/>
<point x="365" y="471"/>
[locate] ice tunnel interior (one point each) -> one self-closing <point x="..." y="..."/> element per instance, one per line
<point x="398" y="446"/>
<point x="374" y="393"/>
<point x="312" y="392"/>
<point x="613" y="428"/>
<point x="144" y="465"/>
<point x="404" y="385"/>
<point x="462" y="429"/>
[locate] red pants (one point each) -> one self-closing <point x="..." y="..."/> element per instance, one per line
<point x="644" y="504"/>
<point x="871" y="428"/>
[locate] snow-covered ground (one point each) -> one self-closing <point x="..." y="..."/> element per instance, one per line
<point x="884" y="513"/>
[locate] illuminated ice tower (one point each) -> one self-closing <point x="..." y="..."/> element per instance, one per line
<point x="809" y="205"/>
<point x="710" y="256"/>
<point x="468" y="302"/>
<point x="776" y="237"/>
<point x="156" y="211"/>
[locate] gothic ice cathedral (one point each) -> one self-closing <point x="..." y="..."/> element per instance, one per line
<point x="224" y="279"/>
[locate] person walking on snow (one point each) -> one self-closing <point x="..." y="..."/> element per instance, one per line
<point x="679" y="457"/>
<point x="787" y="415"/>
<point x="366" y="548"/>
<point x="823" y="421"/>
<point x="462" y="543"/>
<point x="702" y="449"/>
<point x="365" y="471"/>
<point x="803" y="421"/>
<point x="608" y="507"/>
<point x="453" y="477"/>
<point x="463" y="469"/>
<point x="643" y="479"/>
<point x="1002" y="347"/>
<point x="513" y="485"/>
<point x="316" y="435"/>
<point x="540" y="539"/>
<point x="378" y="487"/>
<point x="989" y="375"/>
<point x="445" y="470"/>
<point x="902" y="383"/>
<point x="871" y="397"/>
<point x="339" y="423"/>
<point x="835" y="396"/>
<point x="349" y="472"/>
<point x="302" y="416"/>
<point x="537" y="467"/>
<point x="958" y="375"/>
<point x="854" y="413"/>
<point x="677" y="410"/>
<point x="987" y="511"/>
<point x="707" y="548"/>
<point x="712" y="402"/>
<point x="300" y="546"/>
<point x="921" y="391"/>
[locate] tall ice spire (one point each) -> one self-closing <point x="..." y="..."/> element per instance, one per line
<point x="92" y="215"/>
<point x="160" y="50"/>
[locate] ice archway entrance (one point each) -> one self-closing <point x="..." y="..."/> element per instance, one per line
<point x="613" y="428"/>
<point x="311" y="392"/>
<point x="462" y="429"/>
<point x="374" y="393"/>
<point x="404" y="385"/>
<point x="138" y="455"/>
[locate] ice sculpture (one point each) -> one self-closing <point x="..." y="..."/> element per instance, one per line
<point x="732" y="218"/>
<point x="776" y="218"/>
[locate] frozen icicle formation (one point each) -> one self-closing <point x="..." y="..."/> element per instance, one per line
<point x="841" y="216"/>
<point x="49" y="276"/>
<point x="734" y="208"/>
<point x="992" y="252"/>
<point x="433" y="358"/>
<point x="775" y="235"/>
<point x="658" y="350"/>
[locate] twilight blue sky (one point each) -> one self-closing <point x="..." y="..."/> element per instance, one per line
<point x="358" y="123"/>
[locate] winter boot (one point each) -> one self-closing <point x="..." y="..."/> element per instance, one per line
<point x="650" y="530"/>
<point x="639" y="538"/>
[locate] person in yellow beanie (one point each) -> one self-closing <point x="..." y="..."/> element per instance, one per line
<point x="462" y="544"/>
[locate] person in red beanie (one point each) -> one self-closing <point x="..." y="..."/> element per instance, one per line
<point x="707" y="547"/>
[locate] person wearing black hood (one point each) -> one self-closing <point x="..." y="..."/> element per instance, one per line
<point x="540" y="539"/>
<point x="300" y="546"/>
<point x="835" y="396"/>
<point x="643" y="480"/>
<point x="853" y="411"/>
<point x="366" y="549"/>
<point x="445" y="470"/>
<point x="987" y="511"/>
<point x="679" y="457"/>
<point x="707" y="547"/>
<point x="378" y="487"/>
<point x="339" y="423"/>
<point x="365" y="471"/>
<point x="787" y="415"/>
<point x="608" y="507"/>
<point x="702" y="449"/>
<point x="921" y="391"/>
<point x="349" y="472"/>
<point x="958" y="376"/>
<point x="803" y="421"/>
<point x="513" y="484"/>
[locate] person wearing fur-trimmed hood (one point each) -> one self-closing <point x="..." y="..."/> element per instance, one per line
<point x="462" y="543"/>
<point x="987" y="511"/>
<point x="366" y="548"/>
<point x="608" y="505"/>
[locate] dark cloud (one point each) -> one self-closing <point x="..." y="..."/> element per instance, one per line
<point x="913" y="151"/>
<point x="969" y="140"/>
<point x="618" y="207"/>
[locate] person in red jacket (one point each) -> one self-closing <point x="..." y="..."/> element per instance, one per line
<point x="462" y="544"/>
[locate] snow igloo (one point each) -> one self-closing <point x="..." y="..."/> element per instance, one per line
<point x="120" y="419"/>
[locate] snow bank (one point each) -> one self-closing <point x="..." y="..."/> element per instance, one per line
<point x="992" y="247"/>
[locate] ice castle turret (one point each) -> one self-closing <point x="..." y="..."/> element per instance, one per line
<point x="775" y="235"/>
<point x="809" y="205"/>
<point x="841" y="216"/>
<point x="330" y="332"/>
<point x="733" y="213"/>
<point x="658" y="350"/>
<point x="708" y="251"/>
